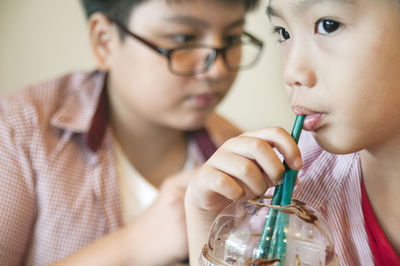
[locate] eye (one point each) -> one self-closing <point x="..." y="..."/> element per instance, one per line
<point x="326" y="26"/>
<point x="233" y="39"/>
<point x="282" y="33"/>
<point x="182" y="38"/>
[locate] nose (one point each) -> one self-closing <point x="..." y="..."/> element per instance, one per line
<point x="216" y="66"/>
<point x="298" y="70"/>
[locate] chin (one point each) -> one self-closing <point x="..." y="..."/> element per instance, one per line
<point x="194" y="121"/>
<point x="185" y="124"/>
<point x="193" y="126"/>
<point x="337" y="144"/>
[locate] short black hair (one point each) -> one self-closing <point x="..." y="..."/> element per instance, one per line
<point x="119" y="10"/>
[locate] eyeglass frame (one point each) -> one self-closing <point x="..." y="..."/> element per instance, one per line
<point x="168" y="52"/>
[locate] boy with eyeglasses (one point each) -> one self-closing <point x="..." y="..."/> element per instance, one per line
<point x="94" y="166"/>
<point x="341" y="65"/>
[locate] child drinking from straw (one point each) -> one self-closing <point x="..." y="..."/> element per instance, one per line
<point x="341" y="64"/>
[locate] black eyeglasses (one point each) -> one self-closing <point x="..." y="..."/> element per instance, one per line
<point x="191" y="60"/>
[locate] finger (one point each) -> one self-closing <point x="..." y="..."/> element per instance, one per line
<point x="242" y="168"/>
<point x="254" y="149"/>
<point x="284" y="143"/>
<point x="214" y="181"/>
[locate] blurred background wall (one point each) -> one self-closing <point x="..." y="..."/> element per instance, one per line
<point x="41" y="39"/>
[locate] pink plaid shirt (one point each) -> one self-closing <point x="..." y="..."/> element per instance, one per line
<point x="58" y="183"/>
<point x="332" y="184"/>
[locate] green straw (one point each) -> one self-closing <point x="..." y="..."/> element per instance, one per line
<point x="271" y="242"/>
<point x="289" y="178"/>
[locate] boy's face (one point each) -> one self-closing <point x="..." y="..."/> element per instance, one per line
<point x="341" y="62"/>
<point x="140" y="82"/>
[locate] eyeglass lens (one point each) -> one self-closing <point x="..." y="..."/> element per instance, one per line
<point x="198" y="59"/>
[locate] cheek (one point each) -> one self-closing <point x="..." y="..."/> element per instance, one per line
<point x="352" y="98"/>
<point x="152" y="95"/>
<point x="375" y="86"/>
<point x="144" y="75"/>
<point x="356" y="76"/>
<point x="134" y="61"/>
<point x="364" y="104"/>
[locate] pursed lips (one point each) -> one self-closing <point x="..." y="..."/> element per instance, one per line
<point x="312" y="119"/>
<point x="300" y="110"/>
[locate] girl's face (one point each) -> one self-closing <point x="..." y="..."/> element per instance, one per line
<point x="141" y="85"/>
<point x="341" y="62"/>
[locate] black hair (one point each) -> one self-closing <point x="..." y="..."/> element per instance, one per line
<point x="119" y="10"/>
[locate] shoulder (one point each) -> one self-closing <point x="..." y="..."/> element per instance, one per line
<point x="35" y="104"/>
<point x="220" y="129"/>
<point x="44" y="93"/>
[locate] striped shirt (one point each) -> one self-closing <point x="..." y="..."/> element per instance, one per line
<point x="58" y="180"/>
<point x="331" y="184"/>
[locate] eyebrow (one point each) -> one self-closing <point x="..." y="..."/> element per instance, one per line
<point x="303" y="5"/>
<point x="187" y="20"/>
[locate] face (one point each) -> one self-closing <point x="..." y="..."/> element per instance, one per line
<point x="341" y="62"/>
<point x="140" y="83"/>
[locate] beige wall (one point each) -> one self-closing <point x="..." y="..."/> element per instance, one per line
<point x="43" y="38"/>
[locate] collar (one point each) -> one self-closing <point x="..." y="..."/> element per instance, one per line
<point x="204" y="142"/>
<point x="85" y="109"/>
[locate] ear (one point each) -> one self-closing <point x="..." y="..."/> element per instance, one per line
<point x="101" y="37"/>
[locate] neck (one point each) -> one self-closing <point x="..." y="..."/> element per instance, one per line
<point x="380" y="168"/>
<point x="380" y="164"/>
<point x="156" y="151"/>
<point x="146" y="139"/>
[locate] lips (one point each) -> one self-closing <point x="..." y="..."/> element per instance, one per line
<point x="312" y="119"/>
<point x="205" y="99"/>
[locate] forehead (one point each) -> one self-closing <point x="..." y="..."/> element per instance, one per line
<point x="274" y="7"/>
<point x="199" y="14"/>
<point x="225" y="2"/>
<point x="216" y="8"/>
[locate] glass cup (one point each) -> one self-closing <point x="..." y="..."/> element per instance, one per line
<point x="234" y="238"/>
